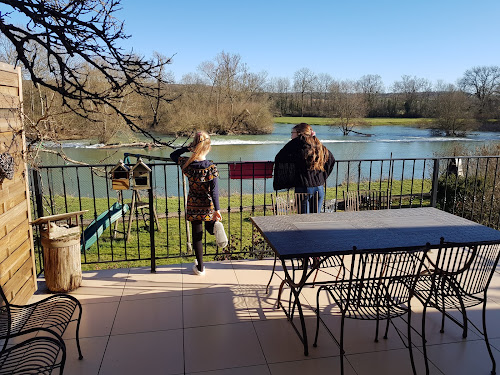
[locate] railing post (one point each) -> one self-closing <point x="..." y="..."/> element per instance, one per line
<point x="152" y="224"/>
<point x="435" y="178"/>
<point x="37" y="187"/>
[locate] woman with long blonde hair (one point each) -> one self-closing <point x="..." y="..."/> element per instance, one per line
<point x="203" y="196"/>
<point x="304" y="163"/>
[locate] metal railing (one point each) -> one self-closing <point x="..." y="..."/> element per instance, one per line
<point x="465" y="186"/>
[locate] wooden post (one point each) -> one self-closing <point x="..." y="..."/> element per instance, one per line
<point x="62" y="259"/>
<point x="62" y="262"/>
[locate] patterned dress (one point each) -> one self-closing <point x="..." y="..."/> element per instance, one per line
<point x="202" y="183"/>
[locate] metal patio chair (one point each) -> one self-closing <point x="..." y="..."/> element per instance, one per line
<point x="359" y="200"/>
<point x="283" y="203"/>
<point x="457" y="277"/>
<point x="378" y="286"/>
<point x="331" y="205"/>
<point x="305" y="202"/>
<point x="286" y="203"/>
<point x="52" y="314"/>
<point x="37" y="355"/>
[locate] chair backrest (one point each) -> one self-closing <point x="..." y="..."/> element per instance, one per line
<point x="288" y="203"/>
<point x="5" y="319"/>
<point x="358" y="200"/>
<point x="351" y="200"/>
<point x="395" y="273"/>
<point x="305" y="201"/>
<point x="283" y="203"/>
<point x="469" y="266"/>
<point x="331" y="205"/>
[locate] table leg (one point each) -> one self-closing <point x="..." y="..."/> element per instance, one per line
<point x="295" y="289"/>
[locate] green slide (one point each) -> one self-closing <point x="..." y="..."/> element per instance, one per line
<point x="103" y="221"/>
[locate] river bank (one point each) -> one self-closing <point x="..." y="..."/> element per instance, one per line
<point x="129" y="139"/>
<point x="419" y="122"/>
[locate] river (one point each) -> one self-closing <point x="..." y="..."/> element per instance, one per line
<point x="400" y="141"/>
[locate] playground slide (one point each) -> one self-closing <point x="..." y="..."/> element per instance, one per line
<point x="103" y="221"/>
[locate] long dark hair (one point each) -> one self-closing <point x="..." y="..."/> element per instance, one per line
<point x="316" y="154"/>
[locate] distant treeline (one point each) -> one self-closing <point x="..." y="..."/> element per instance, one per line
<point x="224" y="97"/>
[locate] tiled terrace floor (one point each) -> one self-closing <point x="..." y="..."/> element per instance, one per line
<point x="172" y="322"/>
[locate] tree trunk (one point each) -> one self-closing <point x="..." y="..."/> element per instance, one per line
<point x="62" y="262"/>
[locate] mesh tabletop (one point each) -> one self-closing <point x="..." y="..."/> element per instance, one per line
<point x="336" y="233"/>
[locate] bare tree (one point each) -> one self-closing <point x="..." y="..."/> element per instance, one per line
<point x="323" y="83"/>
<point x="452" y="110"/>
<point x="371" y="86"/>
<point x="71" y="35"/>
<point x="303" y="80"/>
<point x="7" y="51"/>
<point x="483" y="82"/>
<point x="232" y="97"/>
<point x="160" y="93"/>
<point x="280" y="86"/>
<point x="413" y="90"/>
<point x="284" y="87"/>
<point x="349" y="104"/>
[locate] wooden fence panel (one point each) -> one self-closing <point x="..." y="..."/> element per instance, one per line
<point x="17" y="258"/>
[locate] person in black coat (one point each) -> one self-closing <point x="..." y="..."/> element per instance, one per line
<point x="304" y="163"/>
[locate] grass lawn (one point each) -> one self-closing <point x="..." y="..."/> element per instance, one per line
<point x="359" y="121"/>
<point x="171" y="241"/>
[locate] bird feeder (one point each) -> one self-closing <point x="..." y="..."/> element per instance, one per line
<point x="120" y="176"/>
<point x="141" y="175"/>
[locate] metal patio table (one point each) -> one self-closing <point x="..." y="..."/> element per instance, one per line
<point x="316" y="236"/>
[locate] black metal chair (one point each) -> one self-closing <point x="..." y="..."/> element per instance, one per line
<point x="52" y="314"/>
<point x="286" y="203"/>
<point x="332" y="266"/>
<point x="457" y="277"/>
<point x="378" y="286"/>
<point x="283" y="203"/>
<point x="37" y="355"/>
<point x="359" y="200"/>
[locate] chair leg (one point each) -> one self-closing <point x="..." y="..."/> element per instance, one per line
<point x="341" y="268"/>
<point x="272" y="273"/>
<point x="493" y="369"/>
<point x="464" y="318"/>
<point x="424" y="341"/>
<point x="80" y="355"/>
<point x="444" y="309"/>
<point x="342" y="353"/>
<point x="387" y="329"/>
<point x="314" y="280"/>
<point x="410" y="347"/>
<point x="280" y="291"/>
<point x="315" y="344"/>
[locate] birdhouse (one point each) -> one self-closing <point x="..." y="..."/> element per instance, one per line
<point x="141" y="176"/>
<point x="120" y="176"/>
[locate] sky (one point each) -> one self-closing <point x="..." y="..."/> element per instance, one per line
<point x="432" y="39"/>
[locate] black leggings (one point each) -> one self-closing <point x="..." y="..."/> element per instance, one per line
<point x="197" y="233"/>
